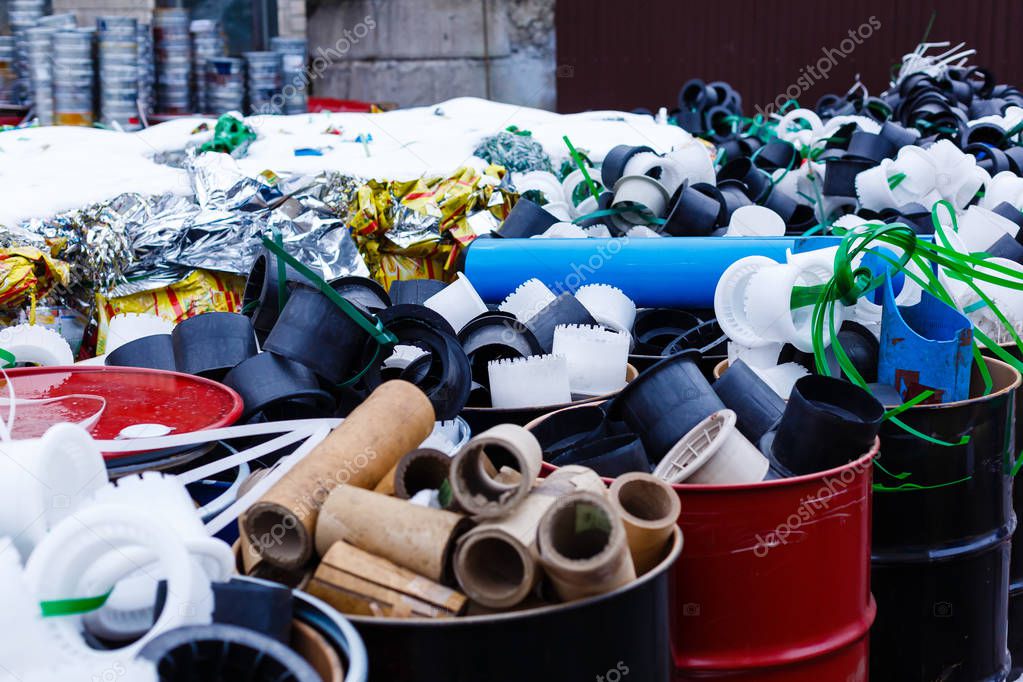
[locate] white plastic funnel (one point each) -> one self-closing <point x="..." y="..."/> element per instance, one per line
<point x="596" y="357"/>
<point x="527" y="300"/>
<point x="608" y="305"/>
<point x="536" y="381"/>
<point x="713" y="453"/>
<point x="458" y="302"/>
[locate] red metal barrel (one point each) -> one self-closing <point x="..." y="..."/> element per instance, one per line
<point x="774" y="582"/>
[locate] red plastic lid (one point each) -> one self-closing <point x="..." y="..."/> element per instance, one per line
<point x="183" y="402"/>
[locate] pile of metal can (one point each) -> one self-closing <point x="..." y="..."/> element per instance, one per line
<point x="207" y="42"/>
<point x="73" y="77"/>
<point x="173" y="47"/>
<point x="295" y="81"/>
<point x="8" y="71"/>
<point x="225" y="84"/>
<point x="147" y="69"/>
<point x="119" y="71"/>
<point x="21" y="16"/>
<point x="264" y="80"/>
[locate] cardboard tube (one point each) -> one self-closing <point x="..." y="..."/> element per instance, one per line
<point x="359" y="583"/>
<point x="386" y="484"/>
<point x="393" y="420"/>
<point x="649" y="509"/>
<point x="582" y="546"/>
<point x="317" y="651"/>
<point x="495" y="470"/>
<point x="424" y="469"/>
<point x="496" y="562"/>
<point x="420" y="539"/>
<point x="250" y="563"/>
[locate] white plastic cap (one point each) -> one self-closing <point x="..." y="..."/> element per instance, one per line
<point x="597" y="358"/>
<point x="458" y="302"/>
<point x="713" y="452"/>
<point x="536" y="381"/>
<point x="755" y="221"/>
<point x="527" y="300"/>
<point x="608" y="305"/>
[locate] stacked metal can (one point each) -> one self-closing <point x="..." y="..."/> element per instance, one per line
<point x="225" y="85"/>
<point x="295" y="81"/>
<point x="264" y="80"/>
<point x="173" y="47"/>
<point x="40" y="72"/>
<point x="21" y="16"/>
<point x="118" y="71"/>
<point x="147" y="69"/>
<point x="207" y="42"/>
<point x="73" y="77"/>
<point x="8" y="71"/>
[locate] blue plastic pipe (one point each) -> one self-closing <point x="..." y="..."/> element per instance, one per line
<point x="678" y="272"/>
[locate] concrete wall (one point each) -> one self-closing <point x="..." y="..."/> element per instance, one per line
<point x="413" y="52"/>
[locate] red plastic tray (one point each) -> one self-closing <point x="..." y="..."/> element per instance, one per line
<point x="134" y="396"/>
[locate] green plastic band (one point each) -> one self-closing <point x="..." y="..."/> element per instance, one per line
<point x="282" y="274"/>
<point x="73" y="607"/>
<point x="8" y="358"/>
<point x="582" y="167"/>
<point x="375" y="328"/>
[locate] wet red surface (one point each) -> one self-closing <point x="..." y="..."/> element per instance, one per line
<point x="134" y="396"/>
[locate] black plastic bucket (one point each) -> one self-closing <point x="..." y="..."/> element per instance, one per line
<point x="622" y="635"/>
<point x="942" y="524"/>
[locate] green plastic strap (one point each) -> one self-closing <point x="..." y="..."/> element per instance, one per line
<point x="73" y="607"/>
<point x="8" y="358"/>
<point x="582" y="167"/>
<point x="1017" y="465"/>
<point x="642" y="211"/>
<point x="282" y="274"/>
<point x="375" y="328"/>
<point x="881" y="488"/>
<point x="896" y="180"/>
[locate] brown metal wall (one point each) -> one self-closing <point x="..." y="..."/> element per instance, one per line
<point x="625" y="54"/>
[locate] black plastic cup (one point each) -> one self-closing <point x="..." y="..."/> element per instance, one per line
<point x="526" y="219"/>
<point x="414" y="291"/>
<point x="444" y="375"/>
<point x="655" y="328"/>
<point x="260" y="300"/>
<point x="609" y="457"/>
<point x="362" y="291"/>
<point x="777" y="154"/>
<point x="1010" y="212"/>
<point x="695" y="210"/>
<point x="566" y="429"/>
<point x="565" y="309"/>
<point x="756" y="405"/>
<point x="733" y="192"/>
<point x="862" y="347"/>
<point x="758" y="183"/>
<point x="265" y="608"/>
<point x="870" y="146"/>
<point x="914" y="215"/>
<point x="1015" y="155"/>
<point x="279" y="388"/>
<point x="781" y="203"/>
<point x="665" y="402"/>
<point x="827" y="423"/>
<point x="1006" y="247"/>
<point x="495" y="336"/>
<point x="152" y="352"/>
<point x="840" y="176"/>
<point x="210" y="344"/>
<point x="985" y="133"/>
<point x="613" y="166"/>
<point x="198" y="652"/>
<point x="897" y="135"/>
<point x="313" y="331"/>
<point x="990" y="158"/>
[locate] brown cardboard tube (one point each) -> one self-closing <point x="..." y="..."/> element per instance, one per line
<point x="496" y="562"/>
<point x="582" y="546"/>
<point x="249" y="563"/>
<point x="317" y="651"/>
<point x="424" y="469"/>
<point x="649" y="508"/>
<point x="420" y="539"/>
<point x="393" y="420"/>
<point x="386" y="484"/>
<point x="359" y="583"/>
<point x="495" y="470"/>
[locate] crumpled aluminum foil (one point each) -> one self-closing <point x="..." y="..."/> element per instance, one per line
<point x="412" y="226"/>
<point x="136" y="243"/>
